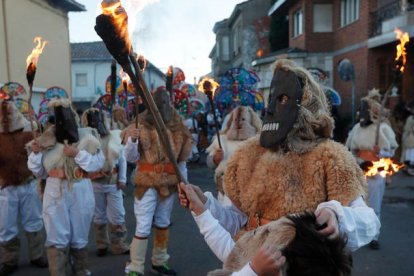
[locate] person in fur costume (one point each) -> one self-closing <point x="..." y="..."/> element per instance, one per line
<point x="407" y="152"/>
<point x="155" y="182"/>
<point x="65" y="154"/>
<point x="291" y="167"/>
<point x="18" y="192"/>
<point x="107" y="184"/>
<point x="361" y="142"/>
<point x="242" y="123"/>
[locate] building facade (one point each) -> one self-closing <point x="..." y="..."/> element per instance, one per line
<point x="324" y="32"/>
<point x="242" y="37"/>
<point x="91" y="67"/>
<point x="20" y="22"/>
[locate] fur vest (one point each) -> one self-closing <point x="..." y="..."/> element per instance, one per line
<point x="53" y="157"/>
<point x="112" y="147"/>
<point x="13" y="158"/>
<point x="269" y="184"/>
<point x="363" y="138"/>
<point x="152" y="152"/>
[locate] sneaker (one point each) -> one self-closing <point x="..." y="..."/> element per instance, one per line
<point x="101" y="252"/>
<point x="374" y="245"/>
<point x="6" y="270"/>
<point x="163" y="270"/>
<point x="40" y="262"/>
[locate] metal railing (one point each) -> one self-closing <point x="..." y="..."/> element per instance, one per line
<point x="387" y="12"/>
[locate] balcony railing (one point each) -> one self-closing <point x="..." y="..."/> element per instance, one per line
<point x="387" y="12"/>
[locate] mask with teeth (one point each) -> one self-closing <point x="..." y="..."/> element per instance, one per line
<point x="285" y="97"/>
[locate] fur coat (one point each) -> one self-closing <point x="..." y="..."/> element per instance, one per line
<point x="53" y="157"/>
<point x="272" y="184"/>
<point x="151" y="151"/>
<point x="13" y="158"/>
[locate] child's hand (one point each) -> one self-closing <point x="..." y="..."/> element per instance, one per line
<point x="190" y="197"/>
<point x="267" y="261"/>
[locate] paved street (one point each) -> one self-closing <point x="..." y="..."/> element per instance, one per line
<point x="190" y="255"/>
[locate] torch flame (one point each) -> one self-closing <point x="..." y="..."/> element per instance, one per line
<point x="214" y="85"/>
<point x="120" y="20"/>
<point x="401" y="51"/>
<point x="384" y="167"/>
<point x="124" y="76"/>
<point x="33" y="58"/>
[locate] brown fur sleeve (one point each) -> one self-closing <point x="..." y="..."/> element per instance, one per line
<point x="344" y="178"/>
<point x="186" y="149"/>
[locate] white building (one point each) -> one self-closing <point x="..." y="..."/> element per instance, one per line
<point x="91" y="66"/>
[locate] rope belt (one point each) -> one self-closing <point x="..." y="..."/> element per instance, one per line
<point x="157" y="167"/>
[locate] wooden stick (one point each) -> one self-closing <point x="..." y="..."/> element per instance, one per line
<point x="30" y="110"/>
<point x="213" y="109"/>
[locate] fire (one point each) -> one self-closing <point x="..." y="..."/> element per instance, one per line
<point x="120" y="20"/>
<point x="259" y="53"/>
<point x="213" y="83"/>
<point x="384" y="167"/>
<point x="124" y="76"/>
<point x="33" y="58"/>
<point x="401" y="51"/>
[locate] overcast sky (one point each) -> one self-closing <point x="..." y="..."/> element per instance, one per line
<point x="167" y="32"/>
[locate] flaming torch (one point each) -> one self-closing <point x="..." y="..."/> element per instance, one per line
<point x="31" y="63"/>
<point x="112" y="27"/>
<point x="400" y="60"/>
<point x="384" y="167"/>
<point x="209" y="86"/>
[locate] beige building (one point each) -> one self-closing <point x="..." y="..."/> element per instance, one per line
<point x="20" y="22"/>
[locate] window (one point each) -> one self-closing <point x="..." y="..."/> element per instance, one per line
<point x="349" y="11"/>
<point x="225" y="48"/>
<point x="297" y="23"/>
<point x="81" y="79"/>
<point x="322" y="18"/>
<point x="236" y="41"/>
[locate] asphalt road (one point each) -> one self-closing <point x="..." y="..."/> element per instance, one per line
<point x="191" y="256"/>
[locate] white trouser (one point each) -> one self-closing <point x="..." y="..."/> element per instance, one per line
<point x="109" y="204"/>
<point x="151" y="209"/>
<point x="68" y="212"/>
<point x="19" y="200"/>
<point x="376" y="189"/>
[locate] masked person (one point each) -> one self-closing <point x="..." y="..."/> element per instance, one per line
<point x="241" y="124"/>
<point x="362" y="143"/>
<point x="155" y="182"/>
<point x="293" y="166"/>
<point x="407" y="152"/>
<point x="18" y="192"/>
<point x="65" y="154"/>
<point x="107" y="186"/>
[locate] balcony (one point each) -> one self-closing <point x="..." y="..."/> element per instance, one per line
<point x="398" y="13"/>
